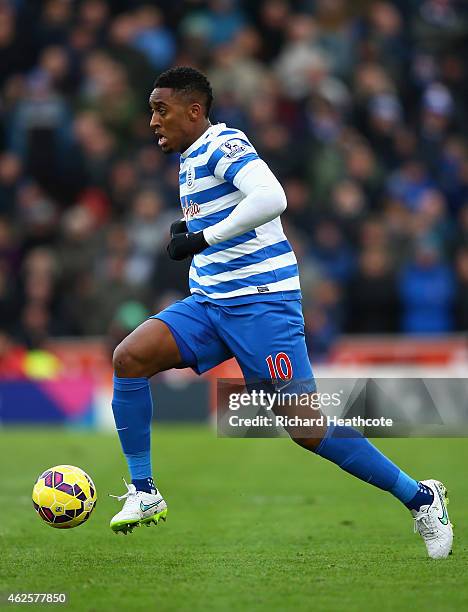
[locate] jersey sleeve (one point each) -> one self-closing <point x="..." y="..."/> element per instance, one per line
<point x="230" y="157"/>
<point x="264" y="198"/>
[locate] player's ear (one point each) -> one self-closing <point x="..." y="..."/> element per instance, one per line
<point x="195" y="111"/>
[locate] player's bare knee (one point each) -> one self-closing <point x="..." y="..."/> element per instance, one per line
<point x="122" y="360"/>
<point x="126" y="362"/>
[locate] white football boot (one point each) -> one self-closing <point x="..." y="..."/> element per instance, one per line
<point x="433" y="524"/>
<point x="140" y="508"/>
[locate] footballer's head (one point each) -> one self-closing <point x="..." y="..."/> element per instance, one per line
<point x="180" y="103"/>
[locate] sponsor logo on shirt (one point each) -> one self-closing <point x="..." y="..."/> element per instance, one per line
<point x="190" y="208"/>
<point x="263" y="289"/>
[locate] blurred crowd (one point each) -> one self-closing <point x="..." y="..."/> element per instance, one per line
<point x="360" y="108"/>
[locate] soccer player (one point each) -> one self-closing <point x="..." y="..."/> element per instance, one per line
<point x="245" y="302"/>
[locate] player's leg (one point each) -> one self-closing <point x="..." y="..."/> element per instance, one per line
<point x="171" y="339"/>
<point x="352" y="452"/>
<point x="279" y="325"/>
<point x="149" y="349"/>
<point x="426" y="499"/>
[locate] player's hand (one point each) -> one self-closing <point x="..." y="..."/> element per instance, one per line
<point x="184" y="245"/>
<point x="178" y="227"/>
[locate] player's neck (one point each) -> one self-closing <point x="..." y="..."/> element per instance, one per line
<point x="202" y="129"/>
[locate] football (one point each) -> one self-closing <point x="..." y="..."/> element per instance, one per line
<point x="64" y="496"/>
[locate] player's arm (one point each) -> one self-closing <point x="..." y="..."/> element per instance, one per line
<point x="264" y="201"/>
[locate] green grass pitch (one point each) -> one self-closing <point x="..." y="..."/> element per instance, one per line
<point x="252" y="525"/>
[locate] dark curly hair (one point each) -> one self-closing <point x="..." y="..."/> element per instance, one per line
<point x="187" y="80"/>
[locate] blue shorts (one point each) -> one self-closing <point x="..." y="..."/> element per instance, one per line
<point x="266" y="338"/>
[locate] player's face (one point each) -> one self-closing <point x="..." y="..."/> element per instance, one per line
<point x="174" y="119"/>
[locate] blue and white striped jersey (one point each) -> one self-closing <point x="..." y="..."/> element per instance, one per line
<point x="258" y="265"/>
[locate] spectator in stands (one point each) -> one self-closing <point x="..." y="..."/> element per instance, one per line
<point x="329" y="249"/>
<point x="152" y="38"/>
<point x="461" y="296"/>
<point x="427" y="291"/>
<point x="372" y="305"/>
<point x="10" y="177"/>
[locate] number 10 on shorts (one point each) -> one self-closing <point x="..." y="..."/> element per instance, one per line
<point x="279" y="367"/>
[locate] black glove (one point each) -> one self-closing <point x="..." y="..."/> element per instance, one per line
<point x="184" y="245"/>
<point x="178" y="227"/>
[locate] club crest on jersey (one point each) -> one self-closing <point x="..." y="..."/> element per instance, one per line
<point x="233" y="148"/>
<point x="190" y="208"/>
<point x="190" y="177"/>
